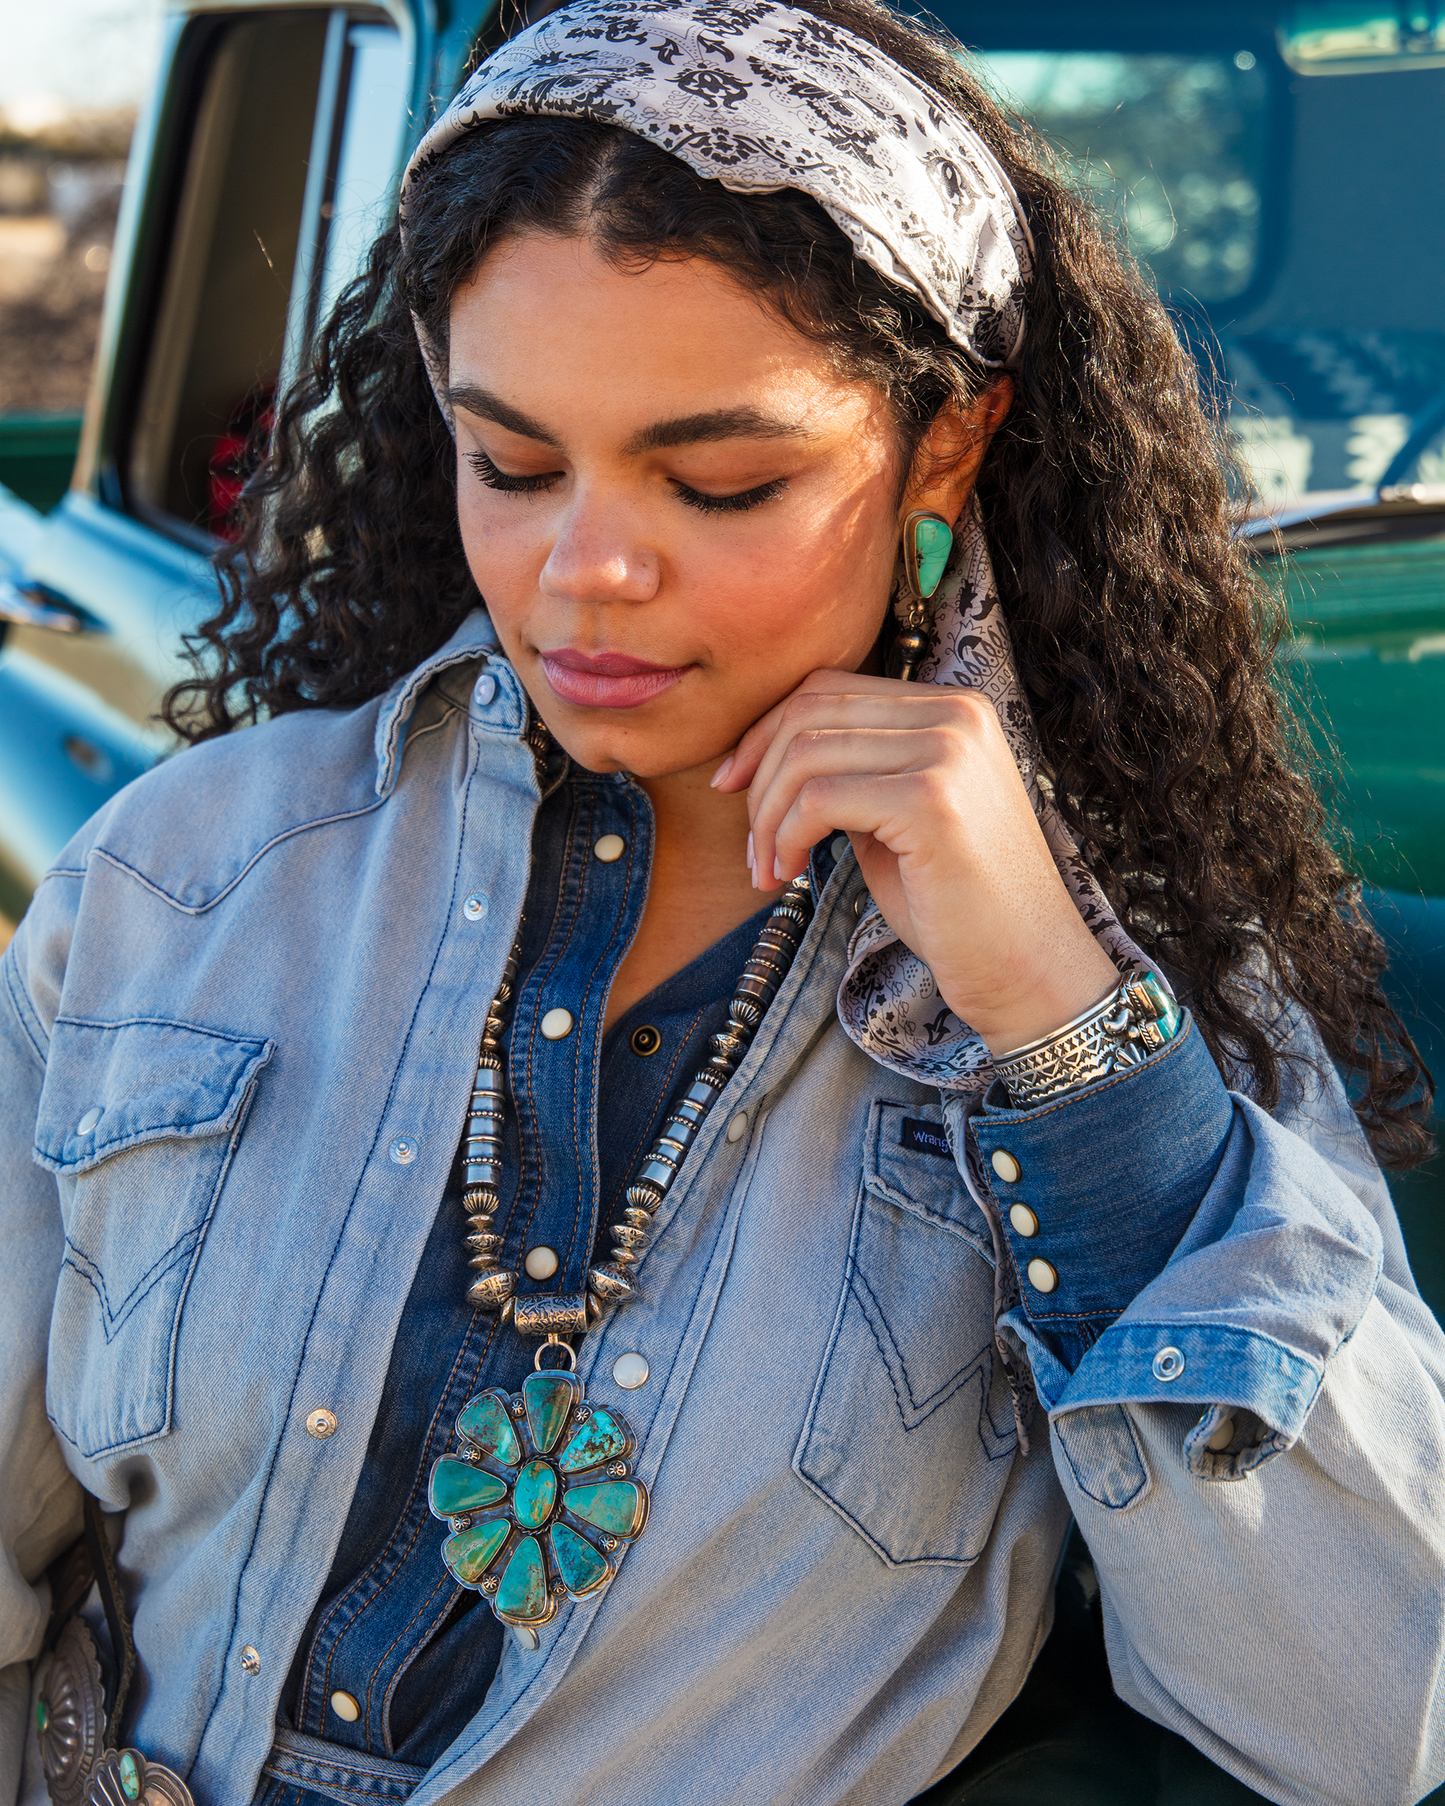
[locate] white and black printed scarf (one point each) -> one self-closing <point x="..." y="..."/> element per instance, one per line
<point x="762" y="97"/>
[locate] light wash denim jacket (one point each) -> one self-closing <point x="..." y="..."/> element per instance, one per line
<point x="255" y="964"/>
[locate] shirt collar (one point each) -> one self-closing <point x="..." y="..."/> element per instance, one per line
<point x="474" y="639"/>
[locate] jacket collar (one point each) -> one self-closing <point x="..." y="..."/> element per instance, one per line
<point x="473" y="640"/>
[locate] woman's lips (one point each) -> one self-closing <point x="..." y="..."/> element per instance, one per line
<point x="607" y="680"/>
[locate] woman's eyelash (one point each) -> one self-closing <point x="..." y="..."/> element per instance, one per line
<point x="730" y="504"/>
<point x="498" y="479"/>
<point x="740" y="503"/>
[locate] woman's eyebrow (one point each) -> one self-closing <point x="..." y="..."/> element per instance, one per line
<point x="723" y="423"/>
<point x="487" y="406"/>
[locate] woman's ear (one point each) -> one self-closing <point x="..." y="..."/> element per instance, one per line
<point x="950" y="454"/>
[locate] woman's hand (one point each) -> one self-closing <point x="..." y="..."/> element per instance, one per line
<point x="923" y="782"/>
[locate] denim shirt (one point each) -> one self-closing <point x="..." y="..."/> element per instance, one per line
<point x="393" y="1630"/>
<point x="255" y="964"/>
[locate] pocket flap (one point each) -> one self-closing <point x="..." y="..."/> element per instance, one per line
<point x="114" y="1085"/>
<point x="908" y="1161"/>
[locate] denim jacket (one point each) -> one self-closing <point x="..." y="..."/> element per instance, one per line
<point x="239" y="1025"/>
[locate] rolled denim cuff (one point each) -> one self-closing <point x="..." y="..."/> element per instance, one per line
<point x="1095" y="1190"/>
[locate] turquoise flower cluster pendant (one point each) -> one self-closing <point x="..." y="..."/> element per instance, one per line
<point x="541" y="1498"/>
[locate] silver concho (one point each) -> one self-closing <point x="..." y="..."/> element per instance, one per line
<point x="125" y="1778"/>
<point x="70" y="1715"/>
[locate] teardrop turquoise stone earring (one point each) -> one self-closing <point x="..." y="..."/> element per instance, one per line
<point x="927" y="542"/>
<point x="930" y="540"/>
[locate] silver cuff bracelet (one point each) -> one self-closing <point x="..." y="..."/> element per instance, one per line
<point x="1130" y="1024"/>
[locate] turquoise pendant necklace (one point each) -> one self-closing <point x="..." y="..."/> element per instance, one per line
<point x="541" y="1496"/>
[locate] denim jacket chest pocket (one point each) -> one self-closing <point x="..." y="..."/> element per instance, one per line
<point x="910" y="1433"/>
<point x="138" y="1121"/>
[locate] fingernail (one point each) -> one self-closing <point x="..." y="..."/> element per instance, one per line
<point x="751" y="861"/>
<point x="777" y="868"/>
<point x="721" y="773"/>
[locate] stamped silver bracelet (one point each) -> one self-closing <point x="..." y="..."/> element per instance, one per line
<point x="1131" y="1023"/>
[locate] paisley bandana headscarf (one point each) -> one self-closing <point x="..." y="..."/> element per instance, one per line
<point x="761" y="97"/>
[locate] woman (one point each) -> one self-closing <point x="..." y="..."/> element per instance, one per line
<point x="728" y="355"/>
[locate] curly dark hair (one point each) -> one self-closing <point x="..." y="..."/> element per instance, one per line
<point x="1143" y="640"/>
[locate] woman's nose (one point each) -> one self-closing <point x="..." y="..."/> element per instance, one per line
<point x="600" y="556"/>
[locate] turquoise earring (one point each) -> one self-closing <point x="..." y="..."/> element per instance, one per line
<point x="927" y="542"/>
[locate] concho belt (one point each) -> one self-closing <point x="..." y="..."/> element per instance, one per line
<point x="79" y="1712"/>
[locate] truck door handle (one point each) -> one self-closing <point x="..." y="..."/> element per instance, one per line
<point x="33" y="605"/>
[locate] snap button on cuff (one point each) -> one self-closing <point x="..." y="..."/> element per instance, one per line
<point x="1023" y="1220"/>
<point x="87" y="1123"/>
<point x="1042" y="1276"/>
<point x="321" y="1423"/>
<point x="1007" y="1168"/>
<point x="1168" y="1364"/>
<point x="556" y="1025"/>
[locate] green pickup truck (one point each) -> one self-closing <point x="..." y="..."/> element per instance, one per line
<point x="1277" y="166"/>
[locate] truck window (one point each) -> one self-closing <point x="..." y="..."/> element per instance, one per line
<point x="280" y="177"/>
<point x="1286" y="211"/>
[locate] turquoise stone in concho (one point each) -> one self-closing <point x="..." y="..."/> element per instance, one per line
<point x="469" y="1552"/>
<point x="523" y="1592"/>
<point x="581" y="1568"/>
<point x="534" y="1494"/>
<point x="616" y="1507"/>
<point x="458" y="1486"/>
<point x="549" y="1398"/>
<point x="129" y="1776"/>
<point x="485" y="1424"/>
<point x="598" y="1440"/>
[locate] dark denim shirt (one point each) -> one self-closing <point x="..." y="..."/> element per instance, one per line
<point x="392" y="1629"/>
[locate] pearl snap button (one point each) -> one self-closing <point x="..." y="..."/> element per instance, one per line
<point x="89" y="1120"/>
<point x="1222" y="1437"/>
<point x="541" y="1263"/>
<point x="251" y="1660"/>
<point x="1042" y="1276"/>
<point x="610" y="847"/>
<point x="486" y="689"/>
<point x="738" y="1127"/>
<point x="630" y="1371"/>
<point x="345" y="1705"/>
<point x="475" y="907"/>
<point x="556" y="1024"/>
<point x="403" y="1150"/>
<point x="1168" y="1364"/>
<point x="321" y="1423"/>
<point x="1023" y="1220"/>
<point x="1007" y="1168"/>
